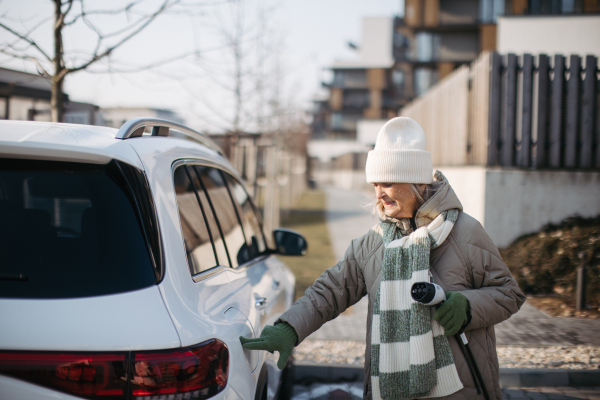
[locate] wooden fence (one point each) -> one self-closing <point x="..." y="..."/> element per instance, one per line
<point x="454" y="115"/>
<point x="543" y="115"/>
<point x="511" y="111"/>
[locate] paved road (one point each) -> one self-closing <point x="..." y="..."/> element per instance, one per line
<point x="347" y="218"/>
<point x="353" y="391"/>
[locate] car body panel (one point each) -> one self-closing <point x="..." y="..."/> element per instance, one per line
<point x="210" y="298"/>
<point x="15" y="389"/>
<point x="198" y="309"/>
<point x="64" y="142"/>
<point x="88" y="324"/>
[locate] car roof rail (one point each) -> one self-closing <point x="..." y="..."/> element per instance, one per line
<point x="135" y="128"/>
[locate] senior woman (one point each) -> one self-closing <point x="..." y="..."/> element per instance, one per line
<point x="423" y="236"/>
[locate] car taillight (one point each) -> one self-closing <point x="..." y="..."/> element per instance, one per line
<point x="97" y="375"/>
<point x="198" y="372"/>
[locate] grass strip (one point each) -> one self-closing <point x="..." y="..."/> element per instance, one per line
<point x="307" y="217"/>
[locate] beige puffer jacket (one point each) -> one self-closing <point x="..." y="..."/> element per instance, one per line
<point x="467" y="262"/>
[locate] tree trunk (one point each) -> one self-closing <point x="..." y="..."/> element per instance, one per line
<point x="57" y="104"/>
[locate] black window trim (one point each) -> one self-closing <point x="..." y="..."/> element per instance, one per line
<point x="146" y="214"/>
<point x="212" y="208"/>
<point x="212" y="241"/>
<point x="200" y="276"/>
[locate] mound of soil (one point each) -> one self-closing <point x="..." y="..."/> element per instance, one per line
<point x="545" y="263"/>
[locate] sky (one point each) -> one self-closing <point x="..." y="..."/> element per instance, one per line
<point x="300" y="40"/>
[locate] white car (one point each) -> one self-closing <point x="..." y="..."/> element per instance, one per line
<point x="130" y="264"/>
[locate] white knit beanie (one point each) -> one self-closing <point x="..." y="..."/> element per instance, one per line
<point x="399" y="155"/>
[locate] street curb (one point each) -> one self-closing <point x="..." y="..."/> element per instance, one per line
<point x="509" y="377"/>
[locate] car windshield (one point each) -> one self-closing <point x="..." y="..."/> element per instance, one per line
<point x="70" y="230"/>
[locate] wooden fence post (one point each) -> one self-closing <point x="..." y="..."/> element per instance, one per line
<point x="556" y="116"/>
<point x="509" y="82"/>
<point x="525" y="152"/>
<point x="572" y="131"/>
<point x="494" y="110"/>
<point x="587" y="115"/>
<point x="597" y="125"/>
<point x="541" y="144"/>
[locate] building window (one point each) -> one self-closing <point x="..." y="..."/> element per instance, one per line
<point x="427" y="46"/>
<point x="401" y="46"/>
<point x="398" y="78"/>
<point x="489" y="10"/>
<point x="345" y="122"/>
<point x="356" y="99"/>
<point x="350" y="78"/>
<point x="336" y="121"/>
<point x="537" y="7"/>
<point x="424" y="79"/>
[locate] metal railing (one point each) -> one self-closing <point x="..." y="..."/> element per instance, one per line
<point x="135" y="128"/>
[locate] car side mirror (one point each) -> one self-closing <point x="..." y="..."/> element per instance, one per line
<point x="289" y="243"/>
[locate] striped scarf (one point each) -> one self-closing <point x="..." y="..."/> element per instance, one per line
<point x="410" y="356"/>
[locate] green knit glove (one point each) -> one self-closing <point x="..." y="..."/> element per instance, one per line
<point x="281" y="337"/>
<point x="453" y="313"/>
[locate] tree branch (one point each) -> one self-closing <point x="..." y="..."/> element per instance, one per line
<point x="25" y="38"/>
<point x="149" y="66"/>
<point x="61" y="20"/>
<point x="108" y="51"/>
<point x="103" y="12"/>
<point x="30" y="58"/>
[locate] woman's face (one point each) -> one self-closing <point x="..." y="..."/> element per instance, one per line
<point x="398" y="199"/>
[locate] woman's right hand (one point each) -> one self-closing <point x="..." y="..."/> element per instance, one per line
<point x="281" y="337"/>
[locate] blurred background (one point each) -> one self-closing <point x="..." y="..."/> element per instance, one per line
<point x="295" y="93"/>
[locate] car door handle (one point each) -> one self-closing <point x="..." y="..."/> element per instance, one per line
<point x="276" y="284"/>
<point x="260" y="303"/>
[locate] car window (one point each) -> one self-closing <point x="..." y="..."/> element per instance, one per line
<point x="196" y="235"/>
<point x="214" y="228"/>
<point x="70" y="230"/>
<point x="226" y="214"/>
<point x="250" y="220"/>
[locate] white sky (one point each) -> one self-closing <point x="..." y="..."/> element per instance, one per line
<point x="311" y="35"/>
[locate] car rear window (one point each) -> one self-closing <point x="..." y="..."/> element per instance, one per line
<point x="70" y="230"/>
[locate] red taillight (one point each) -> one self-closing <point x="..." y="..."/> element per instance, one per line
<point x="201" y="371"/>
<point x="96" y="375"/>
<point x="198" y="372"/>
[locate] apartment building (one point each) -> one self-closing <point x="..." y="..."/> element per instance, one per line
<point x="401" y="58"/>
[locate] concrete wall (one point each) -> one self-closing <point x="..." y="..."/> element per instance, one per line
<point x="521" y="202"/>
<point x="512" y="203"/>
<point x="549" y="35"/>
<point x="469" y="185"/>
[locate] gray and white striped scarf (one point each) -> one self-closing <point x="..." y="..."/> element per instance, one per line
<point x="410" y="356"/>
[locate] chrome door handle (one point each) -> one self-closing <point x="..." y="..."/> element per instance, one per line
<point x="260" y="303"/>
<point x="276" y="284"/>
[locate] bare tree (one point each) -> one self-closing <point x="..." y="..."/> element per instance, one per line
<point x="57" y="64"/>
<point x="243" y="71"/>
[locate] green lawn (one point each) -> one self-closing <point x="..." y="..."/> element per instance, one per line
<point x="308" y="218"/>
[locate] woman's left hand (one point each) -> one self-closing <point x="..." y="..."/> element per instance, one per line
<point x="453" y="313"/>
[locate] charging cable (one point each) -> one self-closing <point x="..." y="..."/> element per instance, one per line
<point x="432" y="294"/>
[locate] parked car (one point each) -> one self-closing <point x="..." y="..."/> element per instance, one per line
<point x="130" y="264"/>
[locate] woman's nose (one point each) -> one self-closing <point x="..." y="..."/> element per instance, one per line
<point x="378" y="192"/>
